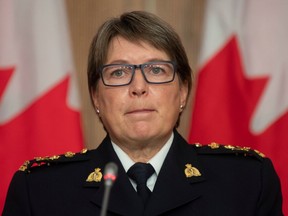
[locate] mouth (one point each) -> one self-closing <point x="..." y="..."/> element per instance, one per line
<point x="140" y="111"/>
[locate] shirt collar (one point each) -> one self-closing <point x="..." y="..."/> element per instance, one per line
<point x="156" y="161"/>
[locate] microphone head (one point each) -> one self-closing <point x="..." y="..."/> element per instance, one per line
<point x="110" y="173"/>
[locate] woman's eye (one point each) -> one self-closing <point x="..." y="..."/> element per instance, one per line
<point x="157" y="70"/>
<point x="117" y="73"/>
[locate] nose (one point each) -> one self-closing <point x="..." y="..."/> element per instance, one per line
<point x="138" y="86"/>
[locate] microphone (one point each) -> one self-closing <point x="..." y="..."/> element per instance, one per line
<point x="110" y="175"/>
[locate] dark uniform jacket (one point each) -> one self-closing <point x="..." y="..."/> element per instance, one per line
<point x="194" y="180"/>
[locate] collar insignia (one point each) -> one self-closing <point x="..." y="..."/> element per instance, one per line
<point x="95" y="176"/>
<point x="191" y="171"/>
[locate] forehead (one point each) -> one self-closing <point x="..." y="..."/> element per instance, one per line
<point x="123" y="50"/>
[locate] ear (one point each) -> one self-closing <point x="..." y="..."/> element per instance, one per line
<point x="95" y="98"/>
<point x="183" y="94"/>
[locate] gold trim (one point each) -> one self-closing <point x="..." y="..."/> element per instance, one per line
<point x="54" y="157"/>
<point x="69" y="154"/>
<point x="260" y="153"/>
<point x="24" y="166"/>
<point x="229" y="147"/>
<point x="214" y="145"/>
<point x="83" y="151"/>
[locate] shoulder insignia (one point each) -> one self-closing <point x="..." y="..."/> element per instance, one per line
<point x="198" y="145"/>
<point x="214" y="145"/>
<point x="40" y="161"/>
<point x="215" y="148"/>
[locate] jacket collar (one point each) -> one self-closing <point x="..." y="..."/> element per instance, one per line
<point x="173" y="187"/>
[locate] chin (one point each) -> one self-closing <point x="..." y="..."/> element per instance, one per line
<point x="147" y="133"/>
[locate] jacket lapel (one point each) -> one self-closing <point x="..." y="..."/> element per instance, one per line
<point x="174" y="188"/>
<point x="123" y="198"/>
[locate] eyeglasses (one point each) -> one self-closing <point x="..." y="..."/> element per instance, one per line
<point x="153" y="72"/>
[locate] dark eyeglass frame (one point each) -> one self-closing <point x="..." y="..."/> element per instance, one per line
<point x="141" y="67"/>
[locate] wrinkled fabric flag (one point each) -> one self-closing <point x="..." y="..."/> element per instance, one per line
<point x="39" y="107"/>
<point x="242" y="86"/>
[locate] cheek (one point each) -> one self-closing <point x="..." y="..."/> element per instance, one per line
<point x="169" y="100"/>
<point x="111" y="102"/>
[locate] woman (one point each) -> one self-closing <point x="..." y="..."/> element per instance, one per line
<point x="139" y="80"/>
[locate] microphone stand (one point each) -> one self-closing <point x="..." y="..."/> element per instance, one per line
<point x="110" y="174"/>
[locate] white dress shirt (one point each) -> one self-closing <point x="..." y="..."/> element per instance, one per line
<point x="155" y="161"/>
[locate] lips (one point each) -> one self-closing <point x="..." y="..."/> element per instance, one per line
<point x="139" y="111"/>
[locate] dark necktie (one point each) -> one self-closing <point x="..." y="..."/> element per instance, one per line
<point x="140" y="172"/>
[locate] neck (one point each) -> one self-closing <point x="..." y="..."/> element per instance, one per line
<point x="140" y="151"/>
<point x="142" y="154"/>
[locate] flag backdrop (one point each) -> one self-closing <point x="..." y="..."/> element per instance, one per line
<point x="242" y="85"/>
<point x="38" y="102"/>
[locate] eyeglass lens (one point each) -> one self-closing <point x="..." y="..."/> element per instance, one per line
<point x="153" y="72"/>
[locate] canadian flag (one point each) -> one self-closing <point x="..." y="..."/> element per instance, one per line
<point x="39" y="110"/>
<point x="242" y="86"/>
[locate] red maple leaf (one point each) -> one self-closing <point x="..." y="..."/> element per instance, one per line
<point x="224" y="104"/>
<point x="46" y="127"/>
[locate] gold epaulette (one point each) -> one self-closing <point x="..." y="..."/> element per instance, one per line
<point x="224" y="149"/>
<point x="41" y="161"/>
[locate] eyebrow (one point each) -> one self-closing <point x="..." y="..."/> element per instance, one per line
<point x="126" y="62"/>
